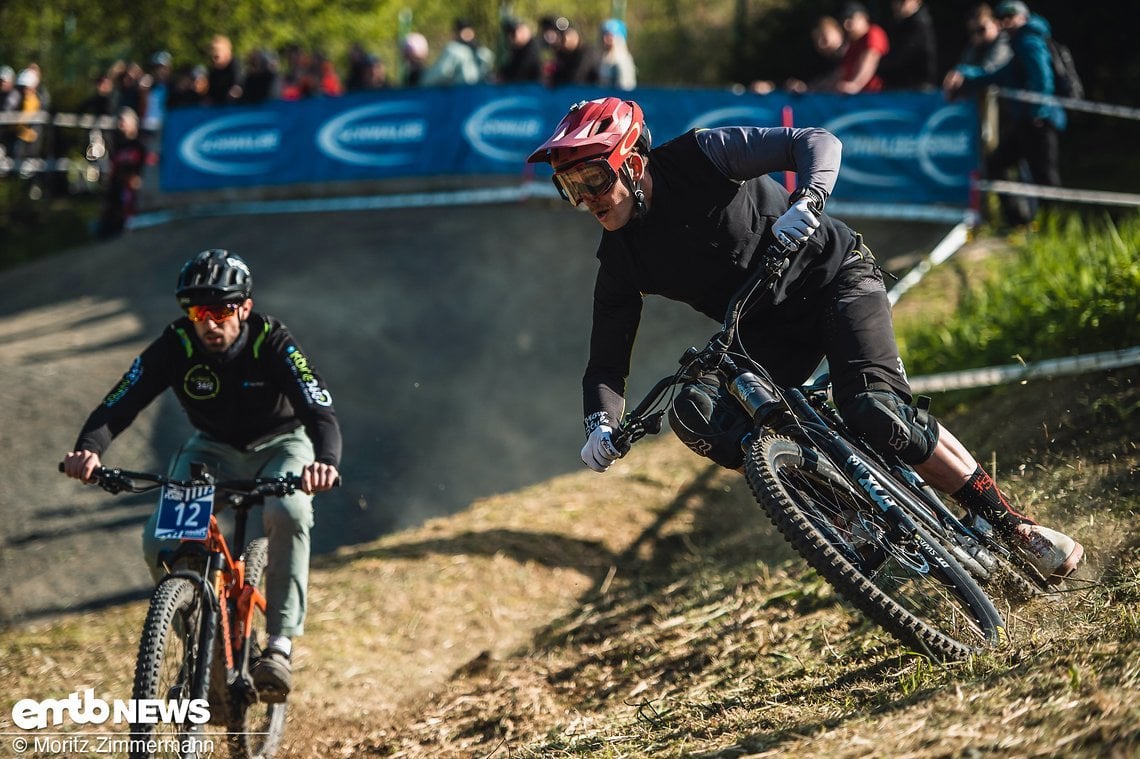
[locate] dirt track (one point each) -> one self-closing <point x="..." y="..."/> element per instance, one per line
<point x="453" y="340"/>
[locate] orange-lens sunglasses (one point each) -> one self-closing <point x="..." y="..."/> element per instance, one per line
<point x="216" y="313"/>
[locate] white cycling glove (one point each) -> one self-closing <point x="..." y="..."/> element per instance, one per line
<point x="599" y="451"/>
<point x="797" y="223"/>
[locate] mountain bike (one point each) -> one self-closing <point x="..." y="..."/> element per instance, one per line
<point x="200" y="639"/>
<point x="865" y="521"/>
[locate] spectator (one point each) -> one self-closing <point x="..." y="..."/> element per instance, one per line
<point x="867" y="43"/>
<point x="328" y="78"/>
<point x="359" y="76"/>
<point x="575" y="62"/>
<point x="616" y="68"/>
<point x="988" y="44"/>
<point x="41" y="88"/>
<point x="987" y="47"/>
<point x="549" y="34"/>
<point x="128" y="157"/>
<point x="912" y="63"/>
<point x="524" y="53"/>
<point x="463" y="60"/>
<point x="157" y="93"/>
<point x="189" y="88"/>
<point x="379" y="75"/>
<point x="9" y="101"/>
<point x="101" y="102"/>
<point x="829" y="43"/>
<point x="260" y="81"/>
<point x="7" y="87"/>
<point x="299" y="80"/>
<point x="224" y="74"/>
<point x="413" y="54"/>
<point x="25" y="101"/>
<point x="128" y="87"/>
<point x="1029" y="135"/>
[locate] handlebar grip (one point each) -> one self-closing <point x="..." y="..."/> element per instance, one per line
<point x="789" y="245"/>
<point x="622" y="440"/>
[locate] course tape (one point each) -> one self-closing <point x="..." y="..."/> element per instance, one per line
<point x="1072" y="104"/>
<point x="77" y="120"/>
<point x="26" y="167"/>
<point x="1010" y="373"/>
<point x="1100" y="197"/>
<point x="951" y="244"/>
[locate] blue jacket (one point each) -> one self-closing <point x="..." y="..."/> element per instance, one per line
<point x="1030" y="68"/>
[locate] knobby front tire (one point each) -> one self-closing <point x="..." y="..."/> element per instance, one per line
<point x="914" y="589"/>
<point x="165" y="668"/>
<point x="256" y="730"/>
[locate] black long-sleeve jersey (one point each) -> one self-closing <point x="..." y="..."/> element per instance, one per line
<point x="262" y="386"/>
<point x="712" y="210"/>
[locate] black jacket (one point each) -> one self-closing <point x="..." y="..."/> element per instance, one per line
<point x="263" y="386"/>
<point x="697" y="244"/>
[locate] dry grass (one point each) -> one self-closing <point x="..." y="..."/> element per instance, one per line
<point x="652" y="612"/>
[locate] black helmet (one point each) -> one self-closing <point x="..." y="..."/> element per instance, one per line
<point x="214" y="276"/>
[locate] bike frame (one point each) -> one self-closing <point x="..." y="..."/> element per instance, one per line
<point x="230" y="601"/>
<point x="788" y="411"/>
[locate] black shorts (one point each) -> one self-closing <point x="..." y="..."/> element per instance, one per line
<point x="848" y="322"/>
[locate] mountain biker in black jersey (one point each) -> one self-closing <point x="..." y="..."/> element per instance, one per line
<point x="260" y="410"/>
<point x="687" y="220"/>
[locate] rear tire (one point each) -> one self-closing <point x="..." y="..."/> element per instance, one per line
<point x="256" y="729"/>
<point x="913" y="589"/>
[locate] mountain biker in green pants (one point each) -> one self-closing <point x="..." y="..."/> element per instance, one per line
<point x="259" y="409"/>
<point x="689" y="220"/>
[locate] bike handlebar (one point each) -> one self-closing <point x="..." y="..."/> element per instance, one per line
<point x="641" y="422"/>
<point x="115" y="480"/>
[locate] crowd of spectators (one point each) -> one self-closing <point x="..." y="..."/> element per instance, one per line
<point x="559" y="54"/>
<point x="1006" y="45"/>
<point x="855" y="53"/>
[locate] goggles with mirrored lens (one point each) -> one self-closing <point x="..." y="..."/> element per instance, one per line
<point x="216" y="313"/>
<point x="588" y="178"/>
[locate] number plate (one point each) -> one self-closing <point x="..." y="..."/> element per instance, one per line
<point x="184" y="513"/>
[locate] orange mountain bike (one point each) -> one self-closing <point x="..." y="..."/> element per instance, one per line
<point x="200" y="638"/>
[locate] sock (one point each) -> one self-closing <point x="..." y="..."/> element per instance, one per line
<point x="281" y="643"/>
<point x="980" y="495"/>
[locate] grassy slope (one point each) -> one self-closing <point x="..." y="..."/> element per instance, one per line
<point x="652" y="612"/>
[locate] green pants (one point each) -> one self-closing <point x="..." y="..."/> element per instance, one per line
<point x="285" y="521"/>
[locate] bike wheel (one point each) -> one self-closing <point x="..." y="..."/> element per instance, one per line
<point x="256" y="728"/>
<point x="165" y="671"/>
<point x="912" y="588"/>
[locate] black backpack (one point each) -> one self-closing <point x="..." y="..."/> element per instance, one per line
<point x="1066" y="81"/>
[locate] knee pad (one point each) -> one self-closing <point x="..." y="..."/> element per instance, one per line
<point x="710" y="422"/>
<point x="892" y="426"/>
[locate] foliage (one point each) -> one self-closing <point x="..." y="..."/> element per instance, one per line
<point x="675" y="42"/>
<point x="1069" y="289"/>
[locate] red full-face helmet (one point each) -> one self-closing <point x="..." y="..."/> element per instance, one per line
<point x="590" y="145"/>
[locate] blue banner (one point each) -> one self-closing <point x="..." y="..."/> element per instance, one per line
<point x="913" y="148"/>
